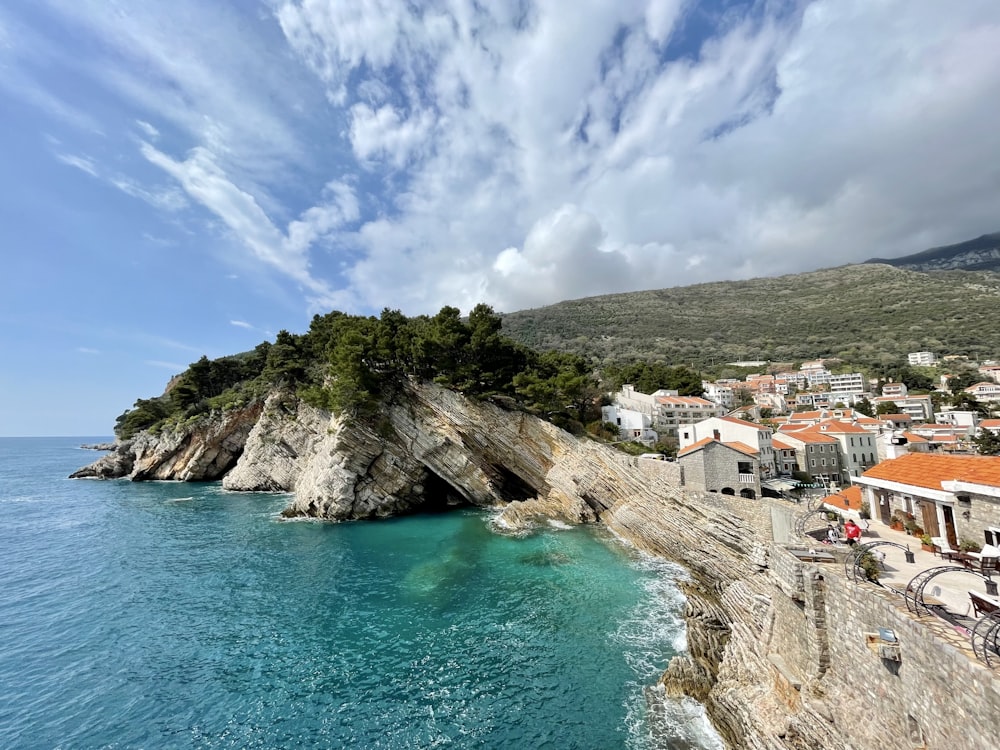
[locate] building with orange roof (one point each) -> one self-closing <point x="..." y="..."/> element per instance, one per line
<point x="734" y="430"/>
<point x="847" y="499"/>
<point x="858" y="450"/>
<point x="984" y="391"/>
<point x="784" y="456"/>
<point x="730" y="468"/>
<point x="993" y="425"/>
<point x="816" y="453"/>
<point x="951" y="496"/>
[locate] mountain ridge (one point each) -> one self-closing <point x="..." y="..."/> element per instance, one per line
<point x="864" y="313"/>
<point x="979" y="254"/>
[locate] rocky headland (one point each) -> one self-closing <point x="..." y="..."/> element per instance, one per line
<point x="763" y="628"/>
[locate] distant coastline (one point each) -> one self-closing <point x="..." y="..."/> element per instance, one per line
<point x="109" y="446"/>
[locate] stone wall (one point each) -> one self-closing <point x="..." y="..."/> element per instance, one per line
<point x="824" y="664"/>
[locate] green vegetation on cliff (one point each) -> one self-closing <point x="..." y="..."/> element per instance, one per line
<point x="347" y="364"/>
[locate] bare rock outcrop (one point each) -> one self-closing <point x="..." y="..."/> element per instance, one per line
<point x="203" y="450"/>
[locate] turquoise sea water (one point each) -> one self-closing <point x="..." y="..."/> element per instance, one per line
<point x="168" y="615"/>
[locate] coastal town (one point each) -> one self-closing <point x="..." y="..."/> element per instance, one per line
<point x="913" y="474"/>
<point x="780" y="431"/>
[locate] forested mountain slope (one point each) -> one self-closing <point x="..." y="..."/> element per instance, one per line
<point x="866" y="314"/>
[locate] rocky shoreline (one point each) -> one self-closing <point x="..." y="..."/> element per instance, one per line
<point x="434" y="446"/>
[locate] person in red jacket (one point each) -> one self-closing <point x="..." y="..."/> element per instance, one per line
<point x="852" y="531"/>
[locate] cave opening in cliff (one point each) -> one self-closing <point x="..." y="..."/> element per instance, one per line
<point x="438" y="495"/>
<point x="510" y="487"/>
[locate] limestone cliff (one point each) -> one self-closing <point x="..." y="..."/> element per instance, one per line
<point x="431" y="445"/>
<point x="759" y="622"/>
<point x="202" y="450"/>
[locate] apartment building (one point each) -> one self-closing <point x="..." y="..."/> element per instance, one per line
<point x="852" y="382"/>
<point x="921" y="358"/>
<point x="816" y="453"/>
<point x="667" y="410"/>
<point x="720" y="392"/>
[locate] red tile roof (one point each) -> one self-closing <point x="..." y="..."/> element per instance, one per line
<point x="736" y="446"/>
<point x="743" y="448"/>
<point x="930" y="469"/>
<point x="809" y="435"/>
<point x="836" y="426"/>
<point x="849" y="498"/>
<point x="695" y="446"/>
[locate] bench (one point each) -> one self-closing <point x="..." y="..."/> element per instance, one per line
<point x="982" y="604"/>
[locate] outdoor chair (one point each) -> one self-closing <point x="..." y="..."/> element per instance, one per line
<point x="988" y="566"/>
<point x="985" y="561"/>
<point x="944" y="550"/>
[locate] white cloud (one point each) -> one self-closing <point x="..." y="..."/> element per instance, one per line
<point x="83" y="163"/>
<point x="558" y="154"/>
<point x="521" y="153"/>
<point x="206" y="182"/>
<point x="241" y="324"/>
<point x="167" y="199"/>
<point x="148" y="130"/>
<point x="87" y="350"/>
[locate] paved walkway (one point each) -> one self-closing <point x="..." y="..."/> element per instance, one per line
<point x="950" y="589"/>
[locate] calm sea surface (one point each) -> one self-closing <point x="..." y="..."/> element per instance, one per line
<point x="168" y="615"/>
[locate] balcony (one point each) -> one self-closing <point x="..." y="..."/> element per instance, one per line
<point x="747" y="478"/>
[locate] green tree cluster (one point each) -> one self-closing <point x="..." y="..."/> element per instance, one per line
<point x="347" y="364"/>
<point x="648" y="377"/>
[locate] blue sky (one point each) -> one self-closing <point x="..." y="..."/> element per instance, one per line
<point x="188" y="178"/>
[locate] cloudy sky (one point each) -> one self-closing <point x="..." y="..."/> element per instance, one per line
<point x="190" y="177"/>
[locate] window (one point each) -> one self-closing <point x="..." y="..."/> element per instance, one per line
<point x="822" y="462"/>
<point x="854" y="457"/>
<point x="852" y="442"/>
<point x="812" y="462"/>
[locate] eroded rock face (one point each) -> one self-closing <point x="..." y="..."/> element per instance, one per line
<point x="434" y="446"/>
<point x="202" y="451"/>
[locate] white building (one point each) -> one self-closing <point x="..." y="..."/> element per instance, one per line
<point x="632" y="425"/>
<point x="921" y="358"/>
<point x="967" y="420"/>
<point x="918" y="408"/>
<point x="894" y="390"/>
<point x="666" y="410"/>
<point x="984" y="391"/>
<point x="719" y="392"/>
<point x="817" y="376"/>
<point x="852" y="382"/>
<point x="674" y="412"/>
